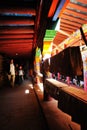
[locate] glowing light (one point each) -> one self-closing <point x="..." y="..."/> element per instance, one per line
<point x="30" y="85"/>
<point x="26" y="91"/>
<point x="16" y="54"/>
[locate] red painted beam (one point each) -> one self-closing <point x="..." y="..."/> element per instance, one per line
<point x="16" y="36"/>
<point x="73" y="19"/>
<point x="17" y="54"/>
<point x="79" y="14"/>
<point x="68" y="26"/>
<point x="16" y="41"/>
<point x="17" y="21"/>
<point x="16" y="49"/>
<point x="18" y="10"/>
<point x="64" y="20"/>
<point x="53" y="8"/>
<point x="75" y="6"/>
<point x="16" y="31"/>
<point x="69" y="31"/>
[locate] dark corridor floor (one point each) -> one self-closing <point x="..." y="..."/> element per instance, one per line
<point x="20" y="111"/>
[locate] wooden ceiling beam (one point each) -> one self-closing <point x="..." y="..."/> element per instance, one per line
<point x="67" y="29"/>
<point x="58" y="42"/>
<point x="15" y="10"/>
<point x="73" y="19"/>
<point x="60" y="37"/>
<point x="63" y="20"/>
<point x="64" y="33"/>
<point x="14" y="44"/>
<point x="68" y="26"/>
<point x="17" y="53"/>
<point x="20" y="46"/>
<point x="22" y="49"/>
<point x="82" y="1"/>
<point x="16" y="36"/>
<point x="16" y="50"/>
<point x="16" y="31"/>
<point x="77" y="7"/>
<point x="16" y="21"/>
<point x="16" y="41"/>
<point x="53" y="8"/>
<point x="75" y="13"/>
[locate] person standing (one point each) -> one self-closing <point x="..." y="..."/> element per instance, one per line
<point x="21" y="75"/>
<point x="16" y="74"/>
<point x="12" y="72"/>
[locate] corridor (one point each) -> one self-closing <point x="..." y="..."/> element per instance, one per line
<point x="19" y="109"/>
<point x="23" y="108"/>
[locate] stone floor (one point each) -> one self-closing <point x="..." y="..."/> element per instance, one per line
<point x="20" y="110"/>
<point x="23" y="108"/>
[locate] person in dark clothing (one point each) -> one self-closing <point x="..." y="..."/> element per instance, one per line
<point x="16" y="74"/>
<point x="21" y="75"/>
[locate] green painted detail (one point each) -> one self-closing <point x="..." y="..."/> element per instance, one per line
<point x="38" y="52"/>
<point x="49" y="35"/>
<point x="50" y="32"/>
<point x="48" y="39"/>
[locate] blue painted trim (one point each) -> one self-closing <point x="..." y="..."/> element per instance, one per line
<point x="15" y="14"/>
<point x="61" y="4"/>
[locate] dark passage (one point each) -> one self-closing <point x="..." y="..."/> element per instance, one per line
<point x="20" y="111"/>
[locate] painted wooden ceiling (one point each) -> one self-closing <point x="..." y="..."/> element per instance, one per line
<point x="23" y="23"/>
<point x="72" y="17"/>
